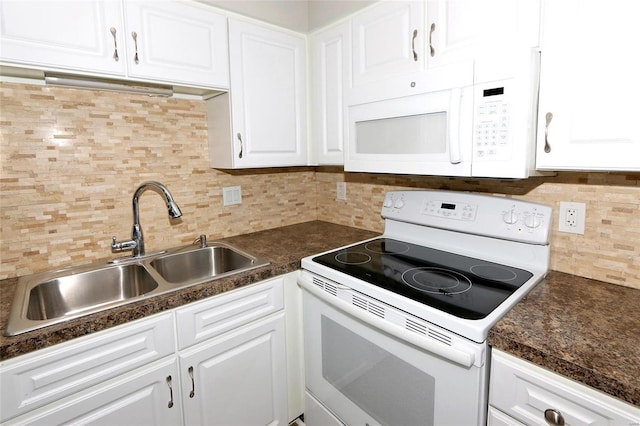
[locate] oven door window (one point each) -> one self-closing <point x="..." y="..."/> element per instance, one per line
<point x="365" y="376"/>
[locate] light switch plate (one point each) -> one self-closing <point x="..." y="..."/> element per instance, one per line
<point x="231" y="195"/>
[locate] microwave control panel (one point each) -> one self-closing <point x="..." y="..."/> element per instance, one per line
<point x="491" y="137"/>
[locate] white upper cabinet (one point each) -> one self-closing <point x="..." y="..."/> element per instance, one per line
<point x="267" y="126"/>
<point x="73" y="35"/>
<point x="387" y="40"/>
<point x="167" y="41"/>
<point x="177" y="41"/>
<point x="330" y="72"/>
<point x="589" y="86"/>
<point x="462" y="30"/>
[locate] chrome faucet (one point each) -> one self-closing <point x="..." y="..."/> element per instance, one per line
<point x="136" y="244"/>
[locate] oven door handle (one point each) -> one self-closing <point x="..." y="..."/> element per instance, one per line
<point x="458" y="356"/>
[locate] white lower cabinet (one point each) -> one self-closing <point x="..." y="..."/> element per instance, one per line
<point x="237" y="379"/>
<point x="523" y="393"/>
<point x="82" y="365"/>
<point x="231" y="369"/>
<point x="146" y="396"/>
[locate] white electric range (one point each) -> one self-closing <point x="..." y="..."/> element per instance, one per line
<point x="396" y="326"/>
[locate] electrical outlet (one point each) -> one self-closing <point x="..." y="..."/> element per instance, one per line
<point x="572" y="217"/>
<point x="231" y="195"/>
<point x="341" y="191"/>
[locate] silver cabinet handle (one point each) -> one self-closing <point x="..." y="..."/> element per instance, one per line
<point x="135" y="43"/>
<point x="115" y="44"/>
<point x="553" y="417"/>
<point x="170" y="404"/>
<point x="413" y="45"/>
<point x="240" y="139"/>
<point x="547" y="146"/>
<point x="193" y="384"/>
<point x="432" y="51"/>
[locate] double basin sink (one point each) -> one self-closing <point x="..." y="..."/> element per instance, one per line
<point x="53" y="297"/>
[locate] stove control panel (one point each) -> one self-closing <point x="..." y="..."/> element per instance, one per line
<point x="486" y="215"/>
<point x="449" y="210"/>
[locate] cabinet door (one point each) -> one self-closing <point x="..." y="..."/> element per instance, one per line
<point x="268" y="96"/>
<point x="68" y="35"/>
<point x="239" y="378"/>
<point x="589" y="86"/>
<point x="386" y="41"/>
<point x="528" y="393"/>
<point x="176" y="41"/>
<point x="43" y="377"/>
<point x="464" y="30"/>
<point x="330" y="72"/>
<point x="148" y="396"/>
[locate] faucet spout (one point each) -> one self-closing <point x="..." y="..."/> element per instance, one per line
<point x="137" y="239"/>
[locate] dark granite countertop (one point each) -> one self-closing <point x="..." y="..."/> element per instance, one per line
<point x="583" y="329"/>
<point x="284" y="247"/>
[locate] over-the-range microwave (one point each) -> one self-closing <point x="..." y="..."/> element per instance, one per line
<point x="468" y="119"/>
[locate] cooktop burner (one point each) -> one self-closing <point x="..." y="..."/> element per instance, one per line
<point x="459" y="285"/>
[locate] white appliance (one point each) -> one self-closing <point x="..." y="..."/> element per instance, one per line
<point x="395" y="327"/>
<point x="469" y="119"/>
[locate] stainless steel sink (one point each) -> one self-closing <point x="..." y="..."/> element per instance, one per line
<point x="71" y="294"/>
<point x="198" y="264"/>
<point x="57" y="296"/>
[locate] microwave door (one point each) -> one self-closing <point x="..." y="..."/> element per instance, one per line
<point x="425" y="134"/>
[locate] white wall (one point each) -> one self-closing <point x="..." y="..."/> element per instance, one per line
<point x="298" y="15"/>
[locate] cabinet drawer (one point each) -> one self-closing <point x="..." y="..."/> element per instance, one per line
<point x="33" y="380"/>
<point x="203" y="320"/>
<point x="140" y="397"/>
<point x="525" y="391"/>
<point x="498" y="418"/>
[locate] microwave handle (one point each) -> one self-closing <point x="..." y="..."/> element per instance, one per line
<point x="458" y="356"/>
<point x="454" y="125"/>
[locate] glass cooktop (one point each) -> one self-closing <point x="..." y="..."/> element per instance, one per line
<point x="459" y="285"/>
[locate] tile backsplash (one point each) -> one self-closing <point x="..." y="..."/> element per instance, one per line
<point x="71" y="160"/>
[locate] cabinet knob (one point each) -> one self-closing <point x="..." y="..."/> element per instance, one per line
<point x="553" y="417"/>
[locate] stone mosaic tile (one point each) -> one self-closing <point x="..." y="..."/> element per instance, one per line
<point x="71" y="160"/>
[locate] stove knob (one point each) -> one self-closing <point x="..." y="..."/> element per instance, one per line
<point x="388" y="202"/>
<point x="510" y="217"/>
<point x="399" y="203"/>
<point x="532" y="221"/>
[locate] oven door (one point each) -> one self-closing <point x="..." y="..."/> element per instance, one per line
<point x="367" y="376"/>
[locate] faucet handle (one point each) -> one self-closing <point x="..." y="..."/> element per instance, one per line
<point x="122" y="246"/>
<point x="201" y="240"/>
